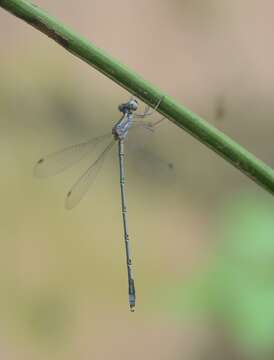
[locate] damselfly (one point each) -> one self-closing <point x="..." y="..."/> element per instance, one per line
<point x="61" y="160"/>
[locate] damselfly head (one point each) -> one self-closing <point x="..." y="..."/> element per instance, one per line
<point x="131" y="105"/>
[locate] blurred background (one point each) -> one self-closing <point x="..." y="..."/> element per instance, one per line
<point x="202" y="233"/>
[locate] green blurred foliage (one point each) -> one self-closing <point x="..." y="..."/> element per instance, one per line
<point x="237" y="289"/>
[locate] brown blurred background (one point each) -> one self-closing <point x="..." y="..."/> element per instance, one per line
<point x="63" y="276"/>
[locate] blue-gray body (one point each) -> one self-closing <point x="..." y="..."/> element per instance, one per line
<point x="120" y="129"/>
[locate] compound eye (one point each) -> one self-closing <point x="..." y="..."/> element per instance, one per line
<point x="134" y="104"/>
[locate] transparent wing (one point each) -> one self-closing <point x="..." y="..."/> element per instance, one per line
<point x="139" y="143"/>
<point x="142" y="124"/>
<point x="58" y="161"/>
<point x="82" y="185"/>
<point x="149" y="125"/>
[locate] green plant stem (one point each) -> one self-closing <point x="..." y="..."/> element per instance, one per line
<point x="179" y="115"/>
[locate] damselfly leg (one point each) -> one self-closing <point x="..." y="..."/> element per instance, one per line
<point x="148" y="110"/>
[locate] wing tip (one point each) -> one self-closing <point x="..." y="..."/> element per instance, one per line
<point x="68" y="204"/>
<point x="37" y="170"/>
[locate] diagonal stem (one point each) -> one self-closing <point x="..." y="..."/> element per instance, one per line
<point x="254" y="168"/>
